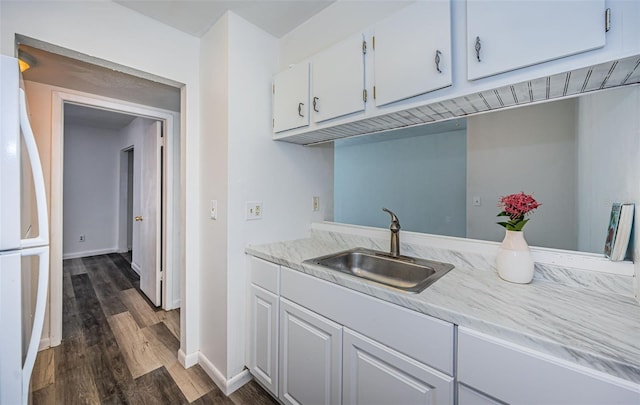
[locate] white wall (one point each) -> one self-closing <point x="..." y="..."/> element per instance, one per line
<point x="530" y="149"/>
<point x="214" y="186"/>
<point x="242" y="163"/>
<point x="334" y="23"/>
<point x="608" y="164"/>
<point x="421" y="178"/>
<point x="91" y="177"/>
<point x="106" y="30"/>
<point x="609" y="145"/>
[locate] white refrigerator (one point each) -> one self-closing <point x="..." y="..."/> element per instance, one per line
<point x="24" y="240"/>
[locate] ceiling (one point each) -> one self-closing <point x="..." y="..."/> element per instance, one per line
<point x="95" y="117"/>
<point x="195" y="17"/>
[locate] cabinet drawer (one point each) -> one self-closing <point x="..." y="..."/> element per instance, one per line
<point x="515" y="374"/>
<point x="426" y="339"/>
<point x="265" y="275"/>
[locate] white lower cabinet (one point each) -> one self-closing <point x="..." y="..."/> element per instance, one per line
<point x="310" y="357"/>
<point x="470" y="396"/>
<point x="493" y="371"/>
<point x="376" y="374"/>
<point x="263" y="347"/>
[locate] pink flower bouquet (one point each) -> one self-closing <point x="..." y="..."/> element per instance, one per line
<point x="516" y="207"/>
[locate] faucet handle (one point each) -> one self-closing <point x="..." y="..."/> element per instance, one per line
<point x="395" y="223"/>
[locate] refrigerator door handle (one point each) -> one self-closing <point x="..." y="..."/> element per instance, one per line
<point x="38" y="318"/>
<point x="38" y="178"/>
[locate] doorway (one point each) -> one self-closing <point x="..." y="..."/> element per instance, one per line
<point x="97" y="144"/>
<point x="128" y="157"/>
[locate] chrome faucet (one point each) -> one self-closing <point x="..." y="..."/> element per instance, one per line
<point x="395" y="233"/>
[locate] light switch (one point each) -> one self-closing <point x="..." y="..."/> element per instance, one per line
<point x="214" y="209"/>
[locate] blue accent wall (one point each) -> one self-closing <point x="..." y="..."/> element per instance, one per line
<point x="421" y="176"/>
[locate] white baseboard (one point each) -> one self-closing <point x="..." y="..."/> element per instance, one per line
<point x="238" y="381"/>
<point x="88" y="253"/>
<point x="229" y="386"/>
<point x="187" y="360"/>
<point x="45" y="343"/>
<point x="135" y="267"/>
<point x="174" y="305"/>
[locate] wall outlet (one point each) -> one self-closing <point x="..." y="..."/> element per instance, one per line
<point x="315" y="203"/>
<point x="82" y="238"/>
<point x="253" y="210"/>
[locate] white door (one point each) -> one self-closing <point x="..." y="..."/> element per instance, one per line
<point x="148" y="220"/>
<point x="376" y="374"/>
<point x="310" y="357"/>
<point x="338" y="80"/>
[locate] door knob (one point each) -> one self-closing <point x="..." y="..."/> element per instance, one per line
<point x="138" y="218"/>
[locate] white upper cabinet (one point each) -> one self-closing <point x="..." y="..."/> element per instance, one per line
<point x="504" y="35"/>
<point x="412" y="51"/>
<point x="291" y="98"/>
<point x="337" y="80"/>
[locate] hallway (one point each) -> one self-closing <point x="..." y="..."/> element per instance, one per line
<point x="118" y="349"/>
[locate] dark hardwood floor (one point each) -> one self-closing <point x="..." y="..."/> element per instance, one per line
<point x="118" y="349"/>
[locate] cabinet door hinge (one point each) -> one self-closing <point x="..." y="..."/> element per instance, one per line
<point x="364" y="47"/>
<point x="273" y="123"/>
<point x="161" y="275"/>
<point x="607" y="20"/>
<point x="364" y="95"/>
<point x="373" y="43"/>
<point x="374" y="92"/>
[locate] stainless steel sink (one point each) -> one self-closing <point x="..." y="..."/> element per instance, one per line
<point x="402" y="272"/>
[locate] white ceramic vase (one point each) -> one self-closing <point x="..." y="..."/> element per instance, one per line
<point x="514" y="260"/>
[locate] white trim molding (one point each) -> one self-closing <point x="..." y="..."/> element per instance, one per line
<point x="187" y="360"/>
<point x="87" y="253"/>
<point x="172" y="240"/>
<point x="227" y="386"/>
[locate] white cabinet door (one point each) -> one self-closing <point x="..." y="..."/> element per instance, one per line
<point x="412" y="51"/>
<point x="291" y="98"/>
<point x="503" y="35"/>
<point x="516" y="374"/>
<point x="376" y="374"/>
<point x="310" y="357"/>
<point x="338" y="80"/>
<point x="263" y="335"/>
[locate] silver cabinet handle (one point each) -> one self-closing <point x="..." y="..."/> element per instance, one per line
<point x="315" y="104"/>
<point x="478" y="47"/>
<point x="300" y="105"/>
<point x="438" y="53"/>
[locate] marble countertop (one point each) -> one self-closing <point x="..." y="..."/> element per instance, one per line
<point x="596" y="329"/>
